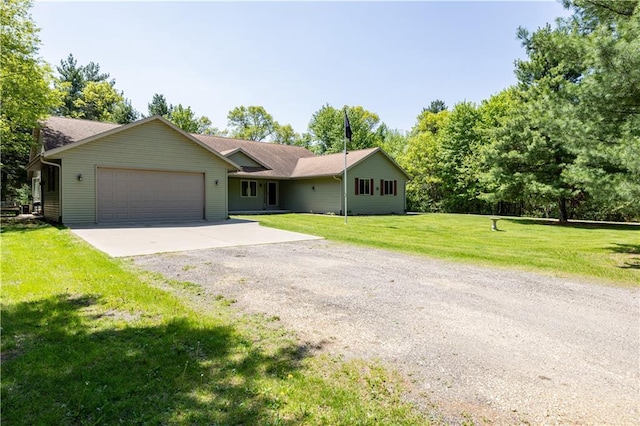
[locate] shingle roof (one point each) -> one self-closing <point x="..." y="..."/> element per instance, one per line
<point x="283" y="161"/>
<point x="61" y="131"/>
<point x="329" y="165"/>
<point x="280" y="159"/>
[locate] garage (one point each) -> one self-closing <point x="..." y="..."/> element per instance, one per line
<point x="132" y="195"/>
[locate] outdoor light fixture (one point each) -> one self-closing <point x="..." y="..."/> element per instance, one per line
<point x="313" y="187"/>
<point x="216" y="181"/>
<point x="79" y="177"/>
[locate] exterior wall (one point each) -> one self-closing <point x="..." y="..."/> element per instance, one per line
<point x="320" y="195"/>
<point x="238" y="203"/>
<point x="242" y="160"/>
<point x="149" y="146"/>
<point x="376" y="167"/>
<point x="50" y="199"/>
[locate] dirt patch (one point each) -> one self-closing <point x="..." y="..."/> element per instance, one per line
<point x="480" y="344"/>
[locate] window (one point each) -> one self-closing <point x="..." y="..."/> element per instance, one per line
<point x="249" y="188"/>
<point x="388" y="187"/>
<point x="364" y="186"/>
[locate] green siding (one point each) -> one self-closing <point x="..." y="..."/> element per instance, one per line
<point x="149" y="146"/>
<point x="320" y="195"/>
<point x="241" y="159"/>
<point x="238" y="203"/>
<point x="376" y="167"/>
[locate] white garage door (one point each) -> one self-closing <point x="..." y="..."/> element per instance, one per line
<point x="148" y="196"/>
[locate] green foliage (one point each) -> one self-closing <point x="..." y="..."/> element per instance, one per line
<point x="183" y="117"/>
<point x="574" y="137"/>
<point x="609" y="254"/>
<point x="252" y="123"/>
<point x="421" y="160"/>
<point x="186" y="119"/>
<point x="606" y="137"/>
<point x="89" y="94"/>
<point x="435" y="106"/>
<point x="285" y="135"/>
<point x="394" y="142"/>
<point x="326" y="129"/>
<point x="159" y="106"/>
<point x="25" y="91"/>
<point x="459" y="160"/>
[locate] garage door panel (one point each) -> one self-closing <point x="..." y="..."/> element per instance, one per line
<point x="146" y="196"/>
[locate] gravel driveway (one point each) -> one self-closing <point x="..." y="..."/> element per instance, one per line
<point x="505" y="347"/>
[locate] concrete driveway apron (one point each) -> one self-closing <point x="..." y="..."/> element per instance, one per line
<point x="135" y="240"/>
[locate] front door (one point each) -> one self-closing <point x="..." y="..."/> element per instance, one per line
<point x="272" y="194"/>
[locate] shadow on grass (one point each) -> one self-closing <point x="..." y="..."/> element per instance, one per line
<point x="632" y="262"/>
<point x="575" y="224"/>
<point x="27" y="225"/>
<point x="61" y="364"/>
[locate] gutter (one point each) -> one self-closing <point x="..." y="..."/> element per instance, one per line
<point x="48" y="163"/>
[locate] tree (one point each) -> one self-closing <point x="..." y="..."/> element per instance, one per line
<point x="575" y="137"/>
<point x="421" y="163"/>
<point x="394" y="142"/>
<point x="183" y="117"/>
<point x="606" y="136"/>
<point x="89" y="94"/>
<point x="25" y="91"/>
<point x="460" y="161"/>
<point x="435" y="106"/>
<point x="285" y="135"/>
<point x="327" y="129"/>
<point x="531" y="150"/>
<point x="252" y="123"/>
<point x="97" y="101"/>
<point x="159" y="106"/>
<point x="421" y="159"/>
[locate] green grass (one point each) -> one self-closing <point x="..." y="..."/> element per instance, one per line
<point x="606" y="253"/>
<point x="87" y="339"/>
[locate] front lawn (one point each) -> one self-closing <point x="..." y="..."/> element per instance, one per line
<point x="87" y="339"/>
<point x="608" y="253"/>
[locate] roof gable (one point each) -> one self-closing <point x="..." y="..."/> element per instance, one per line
<point x="63" y="134"/>
<point x="280" y="160"/>
<point x="333" y="164"/>
<point x="244" y="159"/>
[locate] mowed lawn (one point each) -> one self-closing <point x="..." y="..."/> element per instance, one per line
<point x="605" y="253"/>
<point x="87" y="339"/>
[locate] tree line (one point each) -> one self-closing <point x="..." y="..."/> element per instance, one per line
<point x="563" y="142"/>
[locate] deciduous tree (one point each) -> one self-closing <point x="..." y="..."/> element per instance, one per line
<point x="252" y="123"/>
<point x="25" y="90"/>
<point x="89" y="94"/>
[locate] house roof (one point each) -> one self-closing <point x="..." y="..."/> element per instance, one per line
<point x="329" y="165"/>
<point x="60" y="131"/>
<point x="280" y="160"/>
<point x="333" y="164"/>
<point x="61" y="134"/>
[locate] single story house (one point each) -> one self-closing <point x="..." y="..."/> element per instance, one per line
<point x="151" y="170"/>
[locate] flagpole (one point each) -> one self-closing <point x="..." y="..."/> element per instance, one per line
<point x="345" y="179"/>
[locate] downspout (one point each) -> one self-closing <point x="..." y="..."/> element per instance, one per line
<point x="341" y="197"/>
<point x="43" y="161"/>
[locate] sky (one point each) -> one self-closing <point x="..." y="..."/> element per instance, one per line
<point x="391" y="58"/>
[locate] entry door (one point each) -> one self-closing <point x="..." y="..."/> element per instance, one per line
<point x="272" y="194"/>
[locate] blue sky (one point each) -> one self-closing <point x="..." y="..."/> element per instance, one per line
<point x="391" y="58"/>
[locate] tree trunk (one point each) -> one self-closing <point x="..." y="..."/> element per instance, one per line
<point x="562" y="210"/>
